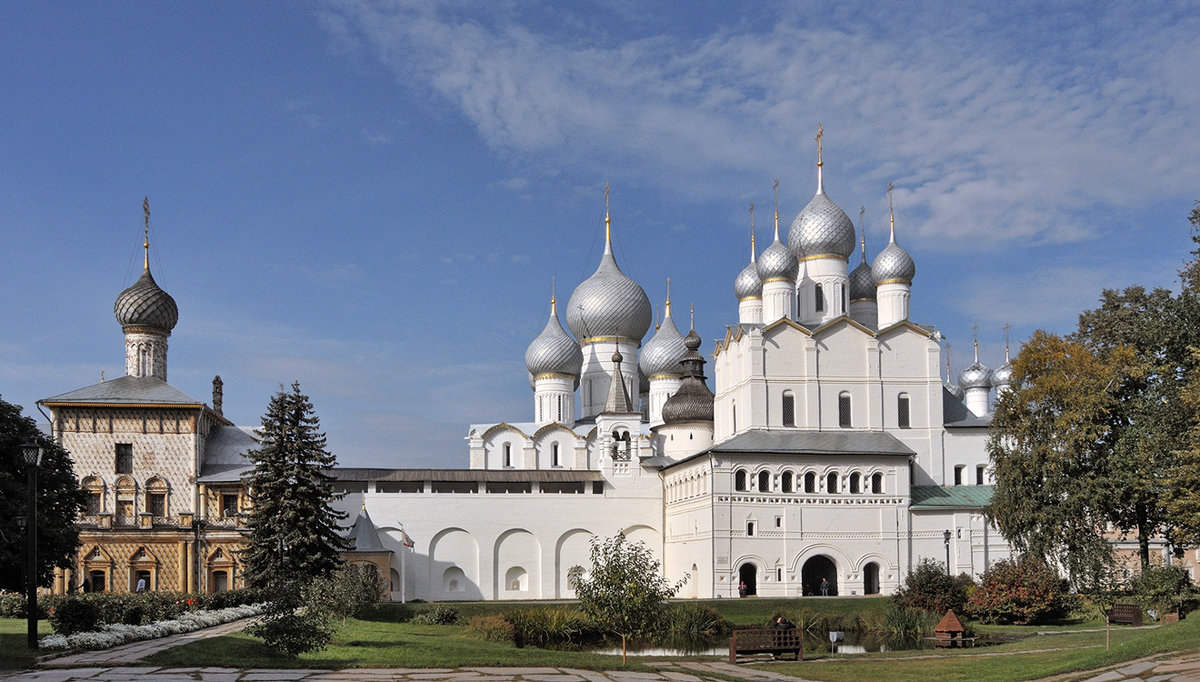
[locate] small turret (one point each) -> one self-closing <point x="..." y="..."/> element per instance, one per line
<point x="147" y="315"/>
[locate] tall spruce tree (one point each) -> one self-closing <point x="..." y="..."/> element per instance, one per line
<point x="293" y="532"/>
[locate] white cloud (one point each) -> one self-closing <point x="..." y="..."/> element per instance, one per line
<point x="988" y="133"/>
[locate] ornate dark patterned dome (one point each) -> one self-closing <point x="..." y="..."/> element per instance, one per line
<point x="821" y="229"/>
<point x="662" y="353"/>
<point x="609" y="304"/>
<point x="144" y="304"/>
<point x="693" y="402"/>
<point x="553" y="351"/>
<point x="862" y="284"/>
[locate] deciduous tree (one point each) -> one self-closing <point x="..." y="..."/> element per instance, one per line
<point x="59" y="501"/>
<point x="625" y="590"/>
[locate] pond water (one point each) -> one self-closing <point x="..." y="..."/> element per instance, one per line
<point x="854" y="643"/>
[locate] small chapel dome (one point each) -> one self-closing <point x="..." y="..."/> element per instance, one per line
<point x="777" y="263"/>
<point x="954" y="390"/>
<point x="553" y="351"/>
<point x="693" y="402"/>
<point x="144" y="304"/>
<point x="662" y="353"/>
<point x="893" y="264"/>
<point x="975" y="376"/>
<point x="1002" y="375"/>
<point x="748" y="284"/>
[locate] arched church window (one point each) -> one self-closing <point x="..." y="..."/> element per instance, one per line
<point x="554" y="460"/>
<point x="507" y="454"/>
<point x="739" y="480"/>
<point x="95" y="495"/>
<point x="877" y="483"/>
<point x="789" y="408"/>
<point x="156" y="497"/>
<point x="785" y="482"/>
<point x="819" y="298"/>
<point x="855" y="483"/>
<point x="844" y="410"/>
<point x="831" y="483"/>
<point x="902" y="411"/>
<point x="810" y="482"/>
<point x="764" y="481"/>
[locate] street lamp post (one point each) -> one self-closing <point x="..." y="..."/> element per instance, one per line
<point x="32" y="454"/>
<point x="946" y="538"/>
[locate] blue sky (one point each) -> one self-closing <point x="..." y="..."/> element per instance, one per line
<point x="372" y="198"/>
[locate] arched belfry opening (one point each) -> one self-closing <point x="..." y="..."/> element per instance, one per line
<point x="814" y="570"/>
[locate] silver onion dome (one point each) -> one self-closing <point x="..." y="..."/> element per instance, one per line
<point x="662" y="353"/>
<point x="1002" y="375"/>
<point x="862" y="283"/>
<point x="821" y="229"/>
<point x="609" y="304"/>
<point x="777" y="263"/>
<point x="144" y="304"/>
<point x="975" y="376"/>
<point x="748" y="284"/>
<point x="893" y="264"/>
<point x="553" y="351"/>
<point x="693" y="402"/>
<point x="954" y="390"/>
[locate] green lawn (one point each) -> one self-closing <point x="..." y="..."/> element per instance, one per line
<point x="13" y="653"/>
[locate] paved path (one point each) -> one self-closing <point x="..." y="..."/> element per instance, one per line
<point x="1180" y="668"/>
<point x="128" y="654"/>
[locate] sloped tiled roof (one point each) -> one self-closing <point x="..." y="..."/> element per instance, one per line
<point x="803" y="442"/>
<point x="364" y="536"/>
<point x="952" y="497"/>
<point x="127" y="391"/>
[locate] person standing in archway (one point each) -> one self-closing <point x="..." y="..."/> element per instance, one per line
<point x="824" y="587"/>
<point x="742" y="589"/>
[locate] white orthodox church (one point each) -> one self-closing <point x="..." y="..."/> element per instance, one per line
<point x="829" y="446"/>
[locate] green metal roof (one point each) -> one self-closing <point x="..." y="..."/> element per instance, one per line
<point x="954" y="497"/>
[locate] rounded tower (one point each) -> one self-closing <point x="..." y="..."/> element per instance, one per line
<point x="147" y="315"/>
<point x="893" y="272"/>
<point x="777" y="269"/>
<point x="863" y="308"/>
<point x="748" y="286"/>
<point x="976" y="383"/>
<point x="660" y="363"/>
<point x="822" y="239"/>
<point x="554" y="362"/>
<point x="687" y="426"/>
<point x="605" y="309"/>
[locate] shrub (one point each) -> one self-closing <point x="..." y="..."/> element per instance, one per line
<point x="901" y="621"/>
<point x="492" y="627"/>
<point x="75" y="615"/>
<point x="552" y="627"/>
<point x="347" y="592"/>
<point x="1162" y="587"/>
<point x="1020" y="592"/>
<point x="929" y="588"/>
<point x="294" y="632"/>
<point x="442" y="614"/>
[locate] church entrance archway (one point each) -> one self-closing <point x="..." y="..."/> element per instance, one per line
<point x="871" y="578"/>
<point x="814" y="570"/>
<point x="748" y="576"/>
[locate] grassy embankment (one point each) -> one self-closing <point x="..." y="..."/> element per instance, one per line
<point x="13" y="653"/>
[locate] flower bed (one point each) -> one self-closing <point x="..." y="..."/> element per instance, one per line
<point x="117" y="634"/>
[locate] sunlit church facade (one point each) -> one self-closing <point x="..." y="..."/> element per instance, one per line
<point x="827" y="446"/>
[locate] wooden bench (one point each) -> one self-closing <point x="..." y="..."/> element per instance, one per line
<point x="1125" y="613"/>
<point x="766" y="641"/>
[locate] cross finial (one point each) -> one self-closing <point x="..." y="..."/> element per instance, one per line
<point x="1007" y="327"/>
<point x="752" y="232"/>
<point x="692" y="314"/>
<point x="607" y="222"/>
<point x="820" y="134"/>
<point x="775" y="188"/>
<point x="975" y="337"/>
<point x="146" y="234"/>
<point x="862" y="231"/>
<point x="891" y="212"/>
<point x="668" y="312"/>
<point x="553" y="299"/>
